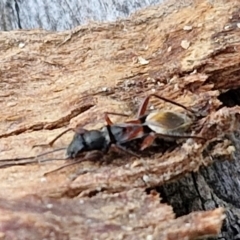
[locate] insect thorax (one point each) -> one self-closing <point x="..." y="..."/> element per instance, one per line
<point x="96" y="140"/>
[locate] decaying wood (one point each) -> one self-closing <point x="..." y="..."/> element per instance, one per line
<point x="125" y="215"/>
<point x="51" y="81"/>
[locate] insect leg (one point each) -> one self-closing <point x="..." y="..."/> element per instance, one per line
<point x="143" y="107"/>
<point x="89" y="157"/>
<point x="179" y="136"/>
<point x="123" y="149"/>
<point x="145" y="102"/>
<point x="63" y="166"/>
<point x="148" y="141"/>
<point x="135" y="131"/>
<point x="53" y="141"/>
<point x="152" y="136"/>
<point x="50" y="144"/>
<point x="108" y="120"/>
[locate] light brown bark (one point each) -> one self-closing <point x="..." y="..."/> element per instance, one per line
<point x="50" y="81"/>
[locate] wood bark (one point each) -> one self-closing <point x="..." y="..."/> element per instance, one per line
<point x="64" y="14"/>
<point x="50" y="81"/>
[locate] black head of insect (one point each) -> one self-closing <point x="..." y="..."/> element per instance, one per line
<point x="76" y="146"/>
<point x="100" y="140"/>
<point x="88" y="141"/>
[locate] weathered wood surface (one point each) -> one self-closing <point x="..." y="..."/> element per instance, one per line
<point x="50" y="81"/>
<point x="64" y="14"/>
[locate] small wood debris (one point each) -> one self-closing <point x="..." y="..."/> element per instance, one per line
<point x="185" y="44"/>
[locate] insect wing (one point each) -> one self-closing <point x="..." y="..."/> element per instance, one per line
<point x="164" y="122"/>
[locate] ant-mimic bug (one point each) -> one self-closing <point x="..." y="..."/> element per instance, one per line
<point x="167" y="125"/>
<point x="85" y="141"/>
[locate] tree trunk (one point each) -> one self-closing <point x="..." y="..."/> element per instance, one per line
<point x="51" y="81"/>
<point x="63" y="14"/>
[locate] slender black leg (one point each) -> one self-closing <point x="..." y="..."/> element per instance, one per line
<point x="127" y="151"/>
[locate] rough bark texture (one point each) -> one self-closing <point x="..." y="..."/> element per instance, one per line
<point x="64" y="14"/>
<point x="53" y="80"/>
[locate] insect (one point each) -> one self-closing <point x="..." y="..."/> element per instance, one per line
<point x="86" y="141"/>
<point x="167" y="125"/>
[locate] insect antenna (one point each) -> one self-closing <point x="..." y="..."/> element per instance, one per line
<point x="27" y="160"/>
<point x="48" y="152"/>
<point x="11" y="162"/>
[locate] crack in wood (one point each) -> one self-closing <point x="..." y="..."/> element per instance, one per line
<point x="61" y="122"/>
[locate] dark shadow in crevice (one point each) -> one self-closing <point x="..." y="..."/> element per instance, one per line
<point x="230" y="98"/>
